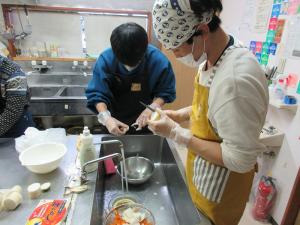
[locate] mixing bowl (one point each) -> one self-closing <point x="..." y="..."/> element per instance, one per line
<point x="139" y="169"/>
<point x="43" y="158"/>
<point x="130" y="213"/>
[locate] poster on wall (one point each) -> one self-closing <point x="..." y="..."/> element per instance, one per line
<point x="279" y="30"/>
<point x="263" y="11"/>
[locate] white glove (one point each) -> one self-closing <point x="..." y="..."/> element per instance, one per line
<point x="116" y="127"/>
<point x="113" y="125"/>
<point x="103" y="117"/>
<point x="180" y="115"/>
<point x="141" y="121"/>
<point x="168" y="128"/>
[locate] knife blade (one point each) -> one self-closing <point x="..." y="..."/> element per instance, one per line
<point x="147" y="106"/>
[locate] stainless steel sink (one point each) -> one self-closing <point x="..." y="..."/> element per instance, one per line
<point x="73" y="91"/>
<point x="165" y="194"/>
<point x="58" y="101"/>
<point x="57" y="92"/>
<point x="62" y="78"/>
<point x="44" y="91"/>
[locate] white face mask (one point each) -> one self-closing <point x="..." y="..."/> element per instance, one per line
<point x="190" y="61"/>
<point x="130" y="68"/>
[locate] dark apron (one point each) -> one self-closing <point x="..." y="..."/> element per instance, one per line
<point x="20" y="126"/>
<point x="127" y="92"/>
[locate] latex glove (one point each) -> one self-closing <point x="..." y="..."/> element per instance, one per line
<point x="141" y="121"/>
<point x="116" y="127"/>
<point x="180" y="115"/>
<point x="166" y="127"/>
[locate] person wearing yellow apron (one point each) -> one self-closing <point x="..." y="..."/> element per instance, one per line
<point x="227" y="112"/>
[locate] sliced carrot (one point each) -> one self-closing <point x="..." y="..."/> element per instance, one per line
<point x="119" y="221"/>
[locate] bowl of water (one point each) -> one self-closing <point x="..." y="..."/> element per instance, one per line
<point x="139" y="169"/>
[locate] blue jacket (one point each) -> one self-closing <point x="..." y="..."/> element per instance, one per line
<point x="159" y="69"/>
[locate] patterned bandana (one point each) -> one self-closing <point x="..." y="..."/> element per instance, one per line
<point x="174" y="22"/>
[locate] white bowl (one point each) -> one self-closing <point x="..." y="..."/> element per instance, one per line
<point x="43" y="158"/>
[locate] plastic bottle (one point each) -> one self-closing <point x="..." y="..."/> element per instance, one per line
<point x="87" y="150"/>
<point x="280" y="90"/>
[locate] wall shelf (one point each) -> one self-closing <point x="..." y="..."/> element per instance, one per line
<point x="278" y="104"/>
<point x="53" y="59"/>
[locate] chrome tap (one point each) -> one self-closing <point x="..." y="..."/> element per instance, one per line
<point x="83" y="68"/>
<point x="41" y="67"/>
<point x="83" y="176"/>
<point x="84" y="173"/>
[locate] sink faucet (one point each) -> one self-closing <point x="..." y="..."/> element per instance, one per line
<point x="83" y="68"/>
<point x="83" y="171"/>
<point x="83" y="176"/>
<point x="40" y="67"/>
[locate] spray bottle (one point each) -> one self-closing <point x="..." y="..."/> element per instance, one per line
<point x="87" y="150"/>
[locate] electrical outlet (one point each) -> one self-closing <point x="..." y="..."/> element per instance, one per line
<point x="271" y="136"/>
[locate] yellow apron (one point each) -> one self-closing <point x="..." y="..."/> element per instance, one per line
<point x="217" y="192"/>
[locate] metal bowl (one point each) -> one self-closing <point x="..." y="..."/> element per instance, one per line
<point x="139" y="169"/>
<point x="136" y="208"/>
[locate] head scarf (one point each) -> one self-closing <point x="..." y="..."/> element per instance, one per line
<point x="174" y="22"/>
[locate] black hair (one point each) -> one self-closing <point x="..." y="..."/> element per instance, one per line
<point x="129" y="43"/>
<point x="201" y="6"/>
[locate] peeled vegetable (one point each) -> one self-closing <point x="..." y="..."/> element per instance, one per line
<point x="155" y="116"/>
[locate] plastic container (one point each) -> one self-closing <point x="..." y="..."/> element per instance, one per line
<point x="87" y="150"/>
<point x="279" y="89"/>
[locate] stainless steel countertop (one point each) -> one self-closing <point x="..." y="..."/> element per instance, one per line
<point x="13" y="173"/>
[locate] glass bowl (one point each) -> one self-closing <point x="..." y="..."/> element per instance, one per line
<point x="130" y="213"/>
<point x="123" y="198"/>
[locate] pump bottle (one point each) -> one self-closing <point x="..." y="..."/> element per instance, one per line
<point x="87" y="150"/>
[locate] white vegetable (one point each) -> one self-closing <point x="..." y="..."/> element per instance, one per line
<point x="16" y="188"/>
<point x="34" y="190"/>
<point x="12" y="200"/>
<point x="155" y="116"/>
<point x="132" y="217"/>
<point x="1" y="200"/>
<point x="45" y="186"/>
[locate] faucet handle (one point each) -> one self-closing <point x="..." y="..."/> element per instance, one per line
<point x="33" y="63"/>
<point x="75" y="65"/>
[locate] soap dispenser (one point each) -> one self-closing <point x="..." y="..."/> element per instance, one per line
<point x="87" y="150"/>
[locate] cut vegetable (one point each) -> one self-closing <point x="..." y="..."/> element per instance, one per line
<point x="45" y="186"/>
<point x="34" y="190"/>
<point x="155" y="116"/>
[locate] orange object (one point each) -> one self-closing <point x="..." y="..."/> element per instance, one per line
<point x="119" y="221"/>
<point x="49" y="212"/>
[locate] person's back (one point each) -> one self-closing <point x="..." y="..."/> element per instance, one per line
<point x="14" y="118"/>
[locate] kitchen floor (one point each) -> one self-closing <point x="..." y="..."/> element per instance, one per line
<point x="247" y="217"/>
